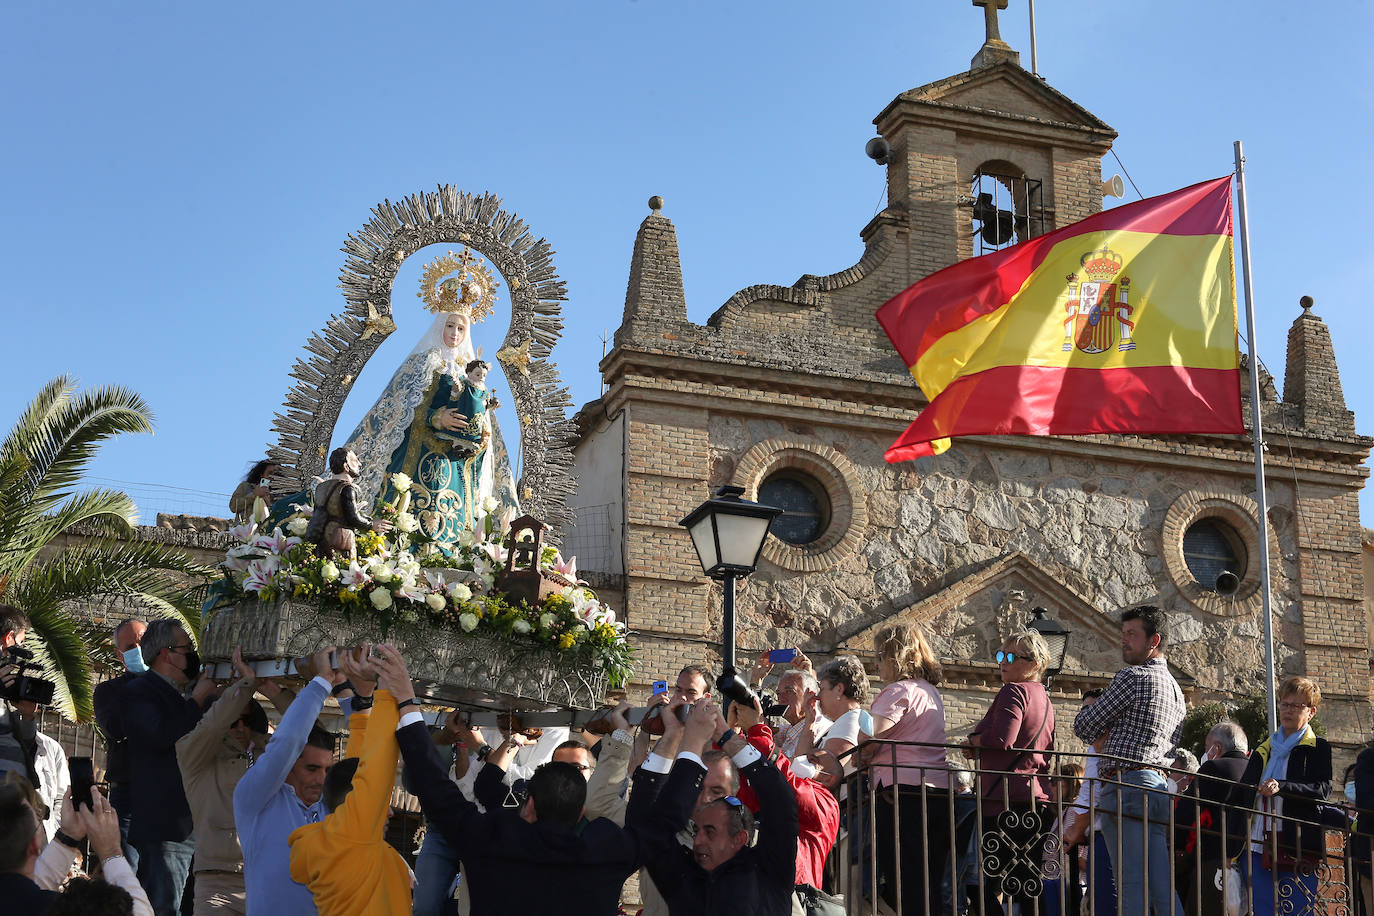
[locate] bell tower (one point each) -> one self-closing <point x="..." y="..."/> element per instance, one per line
<point x="984" y="159"/>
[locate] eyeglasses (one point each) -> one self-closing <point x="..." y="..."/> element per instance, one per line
<point x="1005" y="656"/>
<point x="185" y="648"/>
<point x="1293" y="707"/>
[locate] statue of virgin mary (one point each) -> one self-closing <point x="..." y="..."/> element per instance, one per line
<point x="410" y="428"/>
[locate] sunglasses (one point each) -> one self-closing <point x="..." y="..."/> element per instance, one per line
<point x="1005" y="656"/>
<point x="732" y="801"/>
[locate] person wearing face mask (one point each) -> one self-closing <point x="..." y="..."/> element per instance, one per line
<point x="109" y="715"/>
<point x="1219" y="832"/>
<point x="157" y="712"/>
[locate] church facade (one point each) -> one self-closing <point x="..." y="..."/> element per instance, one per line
<point x="793" y="393"/>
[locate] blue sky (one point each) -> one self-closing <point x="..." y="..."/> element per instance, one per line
<point x="179" y="178"/>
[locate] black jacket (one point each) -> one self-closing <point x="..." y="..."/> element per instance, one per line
<point x="758" y="881"/>
<point x="1364" y="801"/>
<point x="510" y="863"/>
<point x="1304" y="788"/>
<point x="1206" y="799"/>
<point x="109" y="715"/>
<point x="155" y="716"/>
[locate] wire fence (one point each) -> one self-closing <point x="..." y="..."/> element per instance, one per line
<point x="154" y="498"/>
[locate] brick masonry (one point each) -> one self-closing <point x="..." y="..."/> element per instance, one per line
<point x="967" y="542"/>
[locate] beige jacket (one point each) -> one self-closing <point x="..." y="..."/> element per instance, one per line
<point x="211" y="766"/>
<point x="604" y="800"/>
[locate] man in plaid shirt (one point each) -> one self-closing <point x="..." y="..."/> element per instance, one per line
<point x="1143" y="710"/>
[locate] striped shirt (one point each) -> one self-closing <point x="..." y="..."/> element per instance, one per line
<point x="1143" y="707"/>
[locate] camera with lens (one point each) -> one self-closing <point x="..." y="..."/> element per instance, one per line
<point x="771" y="707"/>
<point x="17" y="685"/>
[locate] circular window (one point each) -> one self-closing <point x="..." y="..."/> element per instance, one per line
<point x="1211" y="547"/>
<point x="804" y="503"/>
<point x="1207" y="532"/>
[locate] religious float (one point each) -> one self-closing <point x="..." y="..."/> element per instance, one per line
<point x="415" y="531"/>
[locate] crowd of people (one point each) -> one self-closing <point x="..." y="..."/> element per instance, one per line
<point x="747" y="809"/>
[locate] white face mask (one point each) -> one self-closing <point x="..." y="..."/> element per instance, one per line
<point x="1211" y="753"/>
<point x="1350" y="792"/>
<point x="1173" y="785"/>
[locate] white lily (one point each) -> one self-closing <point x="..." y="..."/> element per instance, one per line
<point x="245" y="532"/>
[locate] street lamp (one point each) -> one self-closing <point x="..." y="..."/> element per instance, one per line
<point x="1056" y="637"/>
<point x="728" y="533"/>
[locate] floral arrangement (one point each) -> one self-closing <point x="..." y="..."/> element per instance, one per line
<point x="404" y="577"/>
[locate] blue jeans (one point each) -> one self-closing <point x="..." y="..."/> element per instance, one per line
<point x="436" y="866"/>
<point x="1269" y="887"/>
<point x="123" y="803"/>
<point x="1102" y="883"/>
<point x="1136" y="814"/>
<point x="162" y="870"/>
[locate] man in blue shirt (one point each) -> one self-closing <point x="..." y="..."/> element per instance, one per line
<point x="281" y="792"/>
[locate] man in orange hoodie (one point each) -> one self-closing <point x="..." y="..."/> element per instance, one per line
<point x="345" y="859"/>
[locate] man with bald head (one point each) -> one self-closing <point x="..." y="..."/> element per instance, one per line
<point x="109" y="715"/>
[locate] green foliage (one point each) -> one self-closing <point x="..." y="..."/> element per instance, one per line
<point x="42" y="461"/>
<point x="1250" y="712"/>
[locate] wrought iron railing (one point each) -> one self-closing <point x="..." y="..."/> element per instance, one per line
<point x="997" y="844"/>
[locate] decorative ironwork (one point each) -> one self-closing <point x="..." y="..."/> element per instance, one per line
<point x="1013" y="852"/>
<point x="338" y="353"/>
<point x="446" y="665"/>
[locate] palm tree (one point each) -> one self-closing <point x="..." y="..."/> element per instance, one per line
<point x="41" y="464"/>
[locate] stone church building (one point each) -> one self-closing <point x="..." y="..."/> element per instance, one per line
<point x="794" y="392"/>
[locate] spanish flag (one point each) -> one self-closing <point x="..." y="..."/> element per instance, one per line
<point x="1124" y="322"/>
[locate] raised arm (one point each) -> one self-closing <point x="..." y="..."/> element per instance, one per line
<point x="268" y="774"/>
<point x="779" y="826"/>
<point x="196" y="748"/>
<point x="457" y="818"/>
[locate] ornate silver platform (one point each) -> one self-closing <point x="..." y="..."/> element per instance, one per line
<point x="484" y="672"/>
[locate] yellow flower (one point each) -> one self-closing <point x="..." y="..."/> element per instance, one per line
<point x="566" y="641"/>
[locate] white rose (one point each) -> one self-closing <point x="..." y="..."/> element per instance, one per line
<point x="297" y="526"/>
<point x="489" y="504"/>
<point x="406" y="523"/>
<point x="435" y="601"/>
<point x="545" y="621"/>
<point x="468" y="622"/>
<point x="329" y="572"/>
<point x="383" y="572"/>
<point x="380" y="598"/>
<point x="466" y="538"/>
<point x="522" y="626"/>
<point x="459" y="591"/>
<point x="401" y="482"/>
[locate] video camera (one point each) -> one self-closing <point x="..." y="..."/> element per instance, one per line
<point x="23" y="687"/>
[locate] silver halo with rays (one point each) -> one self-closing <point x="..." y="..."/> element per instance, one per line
<point x="338" y="353"/>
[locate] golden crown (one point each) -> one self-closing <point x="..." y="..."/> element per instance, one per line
<point x="459" y="283"/>
<point x="1101" y="265"/>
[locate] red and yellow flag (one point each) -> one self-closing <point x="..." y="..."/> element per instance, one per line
<point x="1124" y="322"/>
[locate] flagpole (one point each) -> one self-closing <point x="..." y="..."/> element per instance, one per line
<point x="1257" y="428"/>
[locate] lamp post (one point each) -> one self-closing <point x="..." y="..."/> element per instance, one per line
<point x="1056" y="637"/>
<point x="728" y="533"/>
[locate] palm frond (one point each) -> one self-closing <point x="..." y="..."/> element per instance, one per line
<point x="142" y="574"/>
<point x="68" y="437"/>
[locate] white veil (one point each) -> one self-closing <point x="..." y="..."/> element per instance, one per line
<point x="384" y="426"/>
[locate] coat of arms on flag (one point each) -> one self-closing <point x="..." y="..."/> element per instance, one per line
<point x="1040" y="339"/>
<point x="1094" y="310"/>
